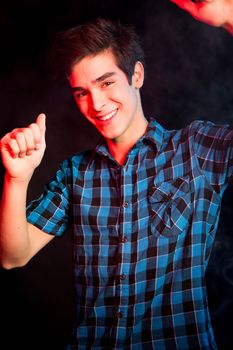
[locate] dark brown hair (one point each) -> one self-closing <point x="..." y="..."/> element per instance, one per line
<point x="92" y="38"/>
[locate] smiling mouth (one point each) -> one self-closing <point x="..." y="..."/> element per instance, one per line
<point x="108" y="116"/>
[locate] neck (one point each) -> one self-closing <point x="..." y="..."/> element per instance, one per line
<point x="120" y="148"/>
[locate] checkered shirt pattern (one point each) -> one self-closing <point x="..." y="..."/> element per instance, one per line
<point x="143" y="234"/>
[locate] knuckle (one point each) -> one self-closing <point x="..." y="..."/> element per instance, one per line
<point x="35" y="131"/>
<point x="12" y="144"/>
<point x="27" y="132"/>
<point x="33" y="127"/>
<point x="19" y="136"/>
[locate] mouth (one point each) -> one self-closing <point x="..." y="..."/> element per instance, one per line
<point x="108" y="116"/>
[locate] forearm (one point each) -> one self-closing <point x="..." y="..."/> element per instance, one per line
<point x="14" y="236"/>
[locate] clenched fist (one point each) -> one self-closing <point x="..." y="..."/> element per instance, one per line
<point x="22" y="149"/>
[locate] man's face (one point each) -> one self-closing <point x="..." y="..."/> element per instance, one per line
<point x="105" y="97"/>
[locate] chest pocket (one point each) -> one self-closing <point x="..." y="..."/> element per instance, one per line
<point x="170" y="204"/>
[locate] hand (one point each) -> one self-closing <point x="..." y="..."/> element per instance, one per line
<point x="22" y="149"/>
<point x="213" y="12"/>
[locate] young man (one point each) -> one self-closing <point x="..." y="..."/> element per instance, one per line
<point x="143" y="205"/>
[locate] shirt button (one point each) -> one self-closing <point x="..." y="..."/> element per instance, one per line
<point x="123" y="276"/>
<point x="119" y="314"/>
<point x="123" y="239"/>
<point x="125" y="204"/>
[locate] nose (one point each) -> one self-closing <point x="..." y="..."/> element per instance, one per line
<point x="98" y="100"/>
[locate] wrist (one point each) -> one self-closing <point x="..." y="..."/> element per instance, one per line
<point x="20" y="181"/>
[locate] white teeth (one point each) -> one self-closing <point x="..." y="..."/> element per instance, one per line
<point x="108" y="116"/>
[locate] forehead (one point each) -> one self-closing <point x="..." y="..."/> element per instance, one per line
<point x="91" y="67"/>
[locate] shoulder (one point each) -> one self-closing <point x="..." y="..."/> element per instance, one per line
<point x="201" y="129"/>
<point x="207" y="133"/>
<point x="199" y="136"/>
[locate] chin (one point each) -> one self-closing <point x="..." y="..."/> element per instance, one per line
<point x="109" y="134"/>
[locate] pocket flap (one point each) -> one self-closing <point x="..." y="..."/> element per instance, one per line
<point x="169" y="190"/>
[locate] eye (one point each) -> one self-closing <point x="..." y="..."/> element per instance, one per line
<point x="107" y="83"/>
<point x="80" y="95"/>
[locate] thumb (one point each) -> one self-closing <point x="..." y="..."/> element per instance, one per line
<point x="40" y="121"/>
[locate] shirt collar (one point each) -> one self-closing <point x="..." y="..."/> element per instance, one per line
<point x="154" y="134"/>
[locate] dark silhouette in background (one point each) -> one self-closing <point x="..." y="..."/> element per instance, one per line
<point x="190" y="71"/>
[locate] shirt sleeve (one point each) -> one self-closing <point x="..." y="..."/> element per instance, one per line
<point x="214" y="150"/>
<point x="50" y="212"/>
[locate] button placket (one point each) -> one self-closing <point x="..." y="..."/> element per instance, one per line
<point x="125" y="196"/>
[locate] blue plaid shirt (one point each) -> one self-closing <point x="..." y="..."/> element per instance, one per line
<point x="143" y="234"/>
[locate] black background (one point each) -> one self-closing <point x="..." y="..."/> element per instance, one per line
<point x="189" y="76"/>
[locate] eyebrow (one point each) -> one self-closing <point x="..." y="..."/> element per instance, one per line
<point x="104" y="76"/>
<point x="97" y="80"/>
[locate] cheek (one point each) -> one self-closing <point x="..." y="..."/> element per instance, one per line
<point x="83" y="107"/>
<point x="130" y="98"/>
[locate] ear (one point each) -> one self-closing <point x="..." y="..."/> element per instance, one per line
<point x="138" y="76"/>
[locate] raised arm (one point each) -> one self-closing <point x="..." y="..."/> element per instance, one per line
<point x="22" y="151"/>
<point x="218" y="13"/>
